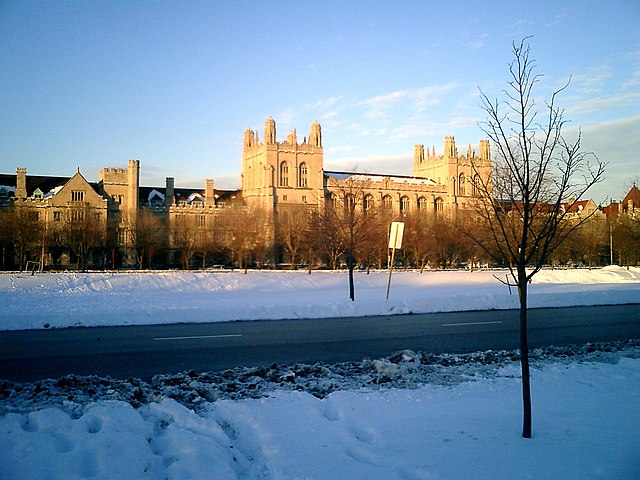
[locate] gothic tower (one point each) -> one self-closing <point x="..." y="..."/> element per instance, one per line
<point x="276" y="174"/>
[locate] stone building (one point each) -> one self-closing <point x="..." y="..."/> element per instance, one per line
<point x="629" y="206"/>
<point x="277" y="174"/>
<point x="113" y="203"/>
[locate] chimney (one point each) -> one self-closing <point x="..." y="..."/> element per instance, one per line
<point x="209" y="198"/>
<point x="21" y="183"/>
<point x="169" y="195"/>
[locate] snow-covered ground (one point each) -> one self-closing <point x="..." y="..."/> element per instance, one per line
<point x="413" y="415"/>
<point x="92" y="299"/>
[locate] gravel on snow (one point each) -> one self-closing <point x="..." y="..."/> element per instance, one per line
<point x="406" y="369"/>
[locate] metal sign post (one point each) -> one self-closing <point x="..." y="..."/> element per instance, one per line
<point x="395" y="242"/>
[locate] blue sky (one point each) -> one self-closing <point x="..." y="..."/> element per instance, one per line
<point x="90" y="84"/>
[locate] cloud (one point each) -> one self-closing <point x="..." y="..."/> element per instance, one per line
<point x="478" y="42"/>
<point x="416" y="99"/>
<point x="615" y="142"/>
<point x="327" y="102"/>
<point x="386" y="164"/>
<point x="604" y="103"/>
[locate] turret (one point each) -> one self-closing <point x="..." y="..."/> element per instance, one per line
<point x="418" y="154"/>
<point x="292" y="138"/>
<point x="485" y="153"/>
<point x="450" y="148"/>
<point x="250" y="139"/>
<point x="315" y="135"/>
<point x="270" y="131"/>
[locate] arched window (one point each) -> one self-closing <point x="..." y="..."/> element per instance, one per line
<point x="368" y="203"/>
<point x="404" y="205"/>
<point x="476" y="185"/>
<point x="461" y="185"/>
<point x="387" y="202"/>
<point x="439" y="205"/>
<point x="303" y="175"/>
<point x="349" y="202"/>
<point x="422" y="204"/>
<point x="284" y="174"/>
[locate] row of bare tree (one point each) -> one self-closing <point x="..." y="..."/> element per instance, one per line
<point x="343" y="234"/>
<point x="80" y="233"/>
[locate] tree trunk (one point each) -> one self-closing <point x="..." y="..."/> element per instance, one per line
<point x="350" y="266"/>
<point x="524" y="354"/>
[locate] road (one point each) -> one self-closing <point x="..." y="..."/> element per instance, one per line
<point x="143" y="351"/>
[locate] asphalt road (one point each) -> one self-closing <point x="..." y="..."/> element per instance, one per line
<point x="143" y="351"/>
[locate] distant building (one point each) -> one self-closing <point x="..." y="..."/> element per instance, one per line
<point x="630" y="205"/>
<point x="275" y="175"/>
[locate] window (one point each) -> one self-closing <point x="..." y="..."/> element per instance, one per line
<point x="77" y="195"/>
<point x="77" y="215"/>
<point x="476" y="185"/>
<point x="368" y="203"/>
<point x="201" y="220"/>
<point x="349" y="202"/>
<point x="422" y="204"/>
<point x="404" y="205"/>
<point x="439" y="205"/>
<point x="57" y="216"/>
<point x="303" y="173"/>
<point x="284" y="198"/>
<point x="461" y="185"/>
<point x="284" y="174"/>
<point x="304" y="199"/>
<point x="387" y="202"/>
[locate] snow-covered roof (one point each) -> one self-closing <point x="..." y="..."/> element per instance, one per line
<point x="155" y="193"/>
<point x="53" y="191"/>
<point x="378" y="177"/>
<point x="195" y="197"/>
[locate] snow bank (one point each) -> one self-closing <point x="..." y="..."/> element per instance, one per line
<point x="585" y="427"/>
<point x="126" y="298"/>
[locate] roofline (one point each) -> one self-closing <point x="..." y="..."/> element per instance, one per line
<point x="381" y="175"/>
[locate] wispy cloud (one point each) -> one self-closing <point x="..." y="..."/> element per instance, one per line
<point x="559" y="18"/>
<point x="604" y="103"/>
<point x="389" y="164"/>
<point x="327" y="102"/>
<point x="477" y="42"/>
<point x="592" y="80"/>
<point x="418" y="99"/>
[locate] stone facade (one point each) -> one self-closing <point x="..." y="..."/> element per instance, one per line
<point x="275" y="174"/>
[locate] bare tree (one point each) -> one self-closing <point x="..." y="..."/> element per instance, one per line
<point x="147" y="235"/>
<point x="84" y="230"/>
<point x="536" y="169"/>
<point x="22" y="228"/>
<point x="626" y="239"/>
<point x="348" y="222"/>
<point x="183" y="238"/>
<point x="292" y="227"/>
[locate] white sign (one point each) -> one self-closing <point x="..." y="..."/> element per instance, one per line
<point x="395" y="235"/>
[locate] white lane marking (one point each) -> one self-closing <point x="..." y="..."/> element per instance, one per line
<point x="470" y="323"/>
<point x="197" y="337"/>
